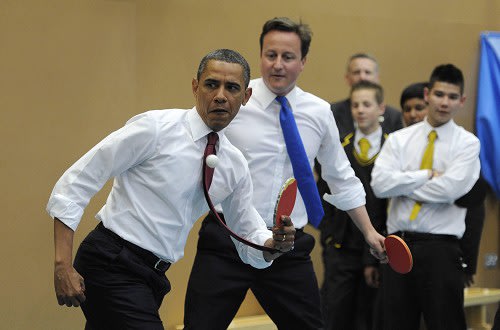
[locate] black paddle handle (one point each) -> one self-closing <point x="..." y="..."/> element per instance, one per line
<point x="229" y="231"/>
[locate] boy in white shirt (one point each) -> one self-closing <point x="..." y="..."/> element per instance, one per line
<point x="424" y="169"/>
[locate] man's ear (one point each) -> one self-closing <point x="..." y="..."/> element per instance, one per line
<point x="194" y="86"/>
<point x="347" y="80"/>
<point x="463" y="98"/>
<point x="382" y="108"/>
<point x="303" y="61"/>
<point x="248" y="94"/>
<point x="426" y="94"/>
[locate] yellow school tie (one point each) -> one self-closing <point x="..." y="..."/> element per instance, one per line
<point x="425" y="165"/>
<point x="364" y="146"/>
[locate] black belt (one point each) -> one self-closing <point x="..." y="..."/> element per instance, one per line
<point x="146" y="256"/>
<point x="416" y="236"/>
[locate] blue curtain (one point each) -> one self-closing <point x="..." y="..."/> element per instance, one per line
<point x="488" y="109"/>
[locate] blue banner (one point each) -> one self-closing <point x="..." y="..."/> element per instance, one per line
<point x="488" y="109"/>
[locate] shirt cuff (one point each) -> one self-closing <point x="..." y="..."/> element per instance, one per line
<point x="251" y="256"/>
<point x="65" y="210"/>
<point x="346" y="202"/>
<point x="422" y="176"/>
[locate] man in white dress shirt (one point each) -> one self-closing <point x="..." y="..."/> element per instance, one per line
<point x="287" y="290"/>
<point x="422" y="209"/>
<point x="118" y="277"/>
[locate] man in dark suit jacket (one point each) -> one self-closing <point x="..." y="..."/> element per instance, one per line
<point x="362" y="66"/>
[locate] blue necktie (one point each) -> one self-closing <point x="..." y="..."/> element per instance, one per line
<point x="300" y="164"/>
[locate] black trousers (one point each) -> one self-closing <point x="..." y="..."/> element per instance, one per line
<point x="348" y="303"/>
<point x="496" y="322"/>
<point x="219" y="280"/>
<point x="434" y="288"/>
<point x="122" y="291"/>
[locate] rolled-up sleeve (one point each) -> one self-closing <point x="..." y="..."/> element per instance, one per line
<point x="388" y="179"/>
<point x="456" y="180"/>
<point x="346" y="189"/>
<point x="114" y="154"/>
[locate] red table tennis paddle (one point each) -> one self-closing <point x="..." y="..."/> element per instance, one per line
<point x="285" y="201"/>
<point x="400" y="258"/>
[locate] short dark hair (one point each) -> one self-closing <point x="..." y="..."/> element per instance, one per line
<point x="415" y="90"/>
<point x="228" y="56"/>
<point x="365" y="84"/>
<point x="287" y="25"/>
<point x="361" y="55"/>
<point x="447" y="73"/>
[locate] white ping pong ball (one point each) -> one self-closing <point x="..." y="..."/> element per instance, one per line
<point x="212" y="161"/>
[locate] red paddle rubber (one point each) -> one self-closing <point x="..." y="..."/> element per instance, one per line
<point x="286" y="201"/>
<point x="400" y="258"/>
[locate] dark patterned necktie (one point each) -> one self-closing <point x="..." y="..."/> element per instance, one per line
<point x="209" y="150"/>
<point x="208" y="174"/>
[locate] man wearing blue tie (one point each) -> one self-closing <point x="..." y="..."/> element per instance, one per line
<point x="280" y="131"/>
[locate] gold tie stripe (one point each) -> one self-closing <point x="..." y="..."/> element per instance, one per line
<point x="425" y="165"/>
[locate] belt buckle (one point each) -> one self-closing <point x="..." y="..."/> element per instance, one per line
<point x="159" y="263"/>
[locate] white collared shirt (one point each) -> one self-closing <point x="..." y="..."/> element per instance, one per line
<point x="157" y="194"/>
<point x="373" y="138"/>
<point x="397" y="175"/>
<point x="256" y="131"/>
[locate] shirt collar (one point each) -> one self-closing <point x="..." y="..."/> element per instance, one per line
<point x="443" y="132"/>
<point x="198" y="127"/>
<point x="266" y="97"/>
<point x="373" y="137"/>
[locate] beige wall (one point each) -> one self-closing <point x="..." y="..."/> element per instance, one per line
<point x="73" y="71"/>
